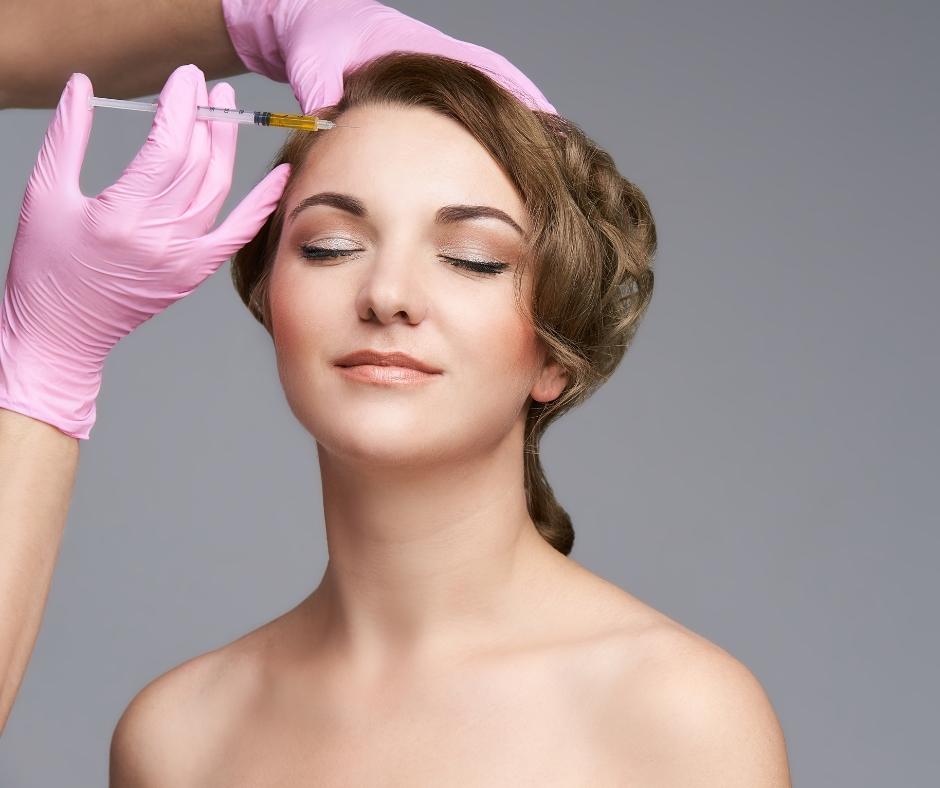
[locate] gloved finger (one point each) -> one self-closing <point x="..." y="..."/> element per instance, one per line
<point x="218" y="177"/>
<point x="193" y="170"/>
<point x="245" y="219"/>
<point x="156" y="164"/>
<point x="421" y="37"/>
<point x="60" y="159"/>
<point x="314" y="87"/>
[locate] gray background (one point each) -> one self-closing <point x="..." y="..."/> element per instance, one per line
<point x="762" y="467"/>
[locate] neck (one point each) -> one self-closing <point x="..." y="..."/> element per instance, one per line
<point x="428" y="562"/>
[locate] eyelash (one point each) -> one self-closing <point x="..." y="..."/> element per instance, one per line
<point x="494" y="267"/>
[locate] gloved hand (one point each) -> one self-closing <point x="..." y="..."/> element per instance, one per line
<point x="86" y="271"/>
<point x="309" y="43"/>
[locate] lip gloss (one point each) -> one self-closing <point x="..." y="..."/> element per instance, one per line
<point x="387" y="376"/>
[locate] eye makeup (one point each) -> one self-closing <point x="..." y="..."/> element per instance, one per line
<point x="311" y="252"/>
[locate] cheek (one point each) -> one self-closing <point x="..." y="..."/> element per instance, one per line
<point x="502" y="343"/>
<point x="517" y="334"/>
<point x="300" y="311"/>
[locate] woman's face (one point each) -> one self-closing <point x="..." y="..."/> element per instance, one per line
<point x="394" y="289"/>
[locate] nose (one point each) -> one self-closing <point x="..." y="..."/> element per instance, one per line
<point x="391" y="288"/>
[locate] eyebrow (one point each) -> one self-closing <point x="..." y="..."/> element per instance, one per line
<point x="447" y="214"/>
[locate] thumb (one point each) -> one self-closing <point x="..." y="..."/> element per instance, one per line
<point x="326" y="92"/>
<point x="245" y="219"/>
<point x="59" y="164"/>
<point x="313" y="86"/>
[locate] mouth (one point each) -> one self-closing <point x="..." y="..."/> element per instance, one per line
<point x="391" y="361"/>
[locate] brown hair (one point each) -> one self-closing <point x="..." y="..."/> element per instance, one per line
<point x="592" y="239"/>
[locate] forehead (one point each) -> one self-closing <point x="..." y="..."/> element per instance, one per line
<point x="401" y="160"/>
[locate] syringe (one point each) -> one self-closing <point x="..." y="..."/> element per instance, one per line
<point x="305" y="122"/>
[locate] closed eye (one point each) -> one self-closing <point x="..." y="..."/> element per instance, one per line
<point x="479" y="266"/>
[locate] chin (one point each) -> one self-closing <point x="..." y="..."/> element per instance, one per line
<point x="376" y="450"/>
<point x="406" y="437"/>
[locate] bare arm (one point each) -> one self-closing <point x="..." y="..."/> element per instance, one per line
<point x="37" y="473"/>
<point x="127" y="48"/>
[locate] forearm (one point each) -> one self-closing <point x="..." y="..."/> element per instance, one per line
<point x="37" y="473"/>
<point x="127" y="48"/>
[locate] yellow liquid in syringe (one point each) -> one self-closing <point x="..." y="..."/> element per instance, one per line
<point x="283" y="120"/>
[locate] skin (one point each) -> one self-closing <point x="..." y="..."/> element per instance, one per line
<point x="447" y="643"/>
<point x="126" y="47"/>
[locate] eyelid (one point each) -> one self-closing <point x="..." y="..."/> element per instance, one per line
<point x="491" y="266"/>
<point x="472" y="257"/>
<point x="325" y="242"/>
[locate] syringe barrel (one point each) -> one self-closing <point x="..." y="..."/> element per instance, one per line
<point x="203" y="113"/>
<point x="225" y="113"/>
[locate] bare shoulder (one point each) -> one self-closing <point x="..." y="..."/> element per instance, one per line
<point x="172" y="727"/>
<point x="158" y="737"/>
<point x="697" y="714"/>
<point x="670" y="706"/>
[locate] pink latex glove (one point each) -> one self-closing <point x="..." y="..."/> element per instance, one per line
<point x="86" y="271"/>
<point x="309" y="43"/>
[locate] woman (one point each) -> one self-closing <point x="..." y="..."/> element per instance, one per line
<point x="451" y="641"/>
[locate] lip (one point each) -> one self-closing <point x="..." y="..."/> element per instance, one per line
<point x="386" y="375"/>
<point x="377" y="358"/>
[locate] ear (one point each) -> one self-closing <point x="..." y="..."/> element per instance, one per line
<point x="550" y="383"/>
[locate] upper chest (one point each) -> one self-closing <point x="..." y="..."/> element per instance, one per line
<point x="542" y="721"/>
